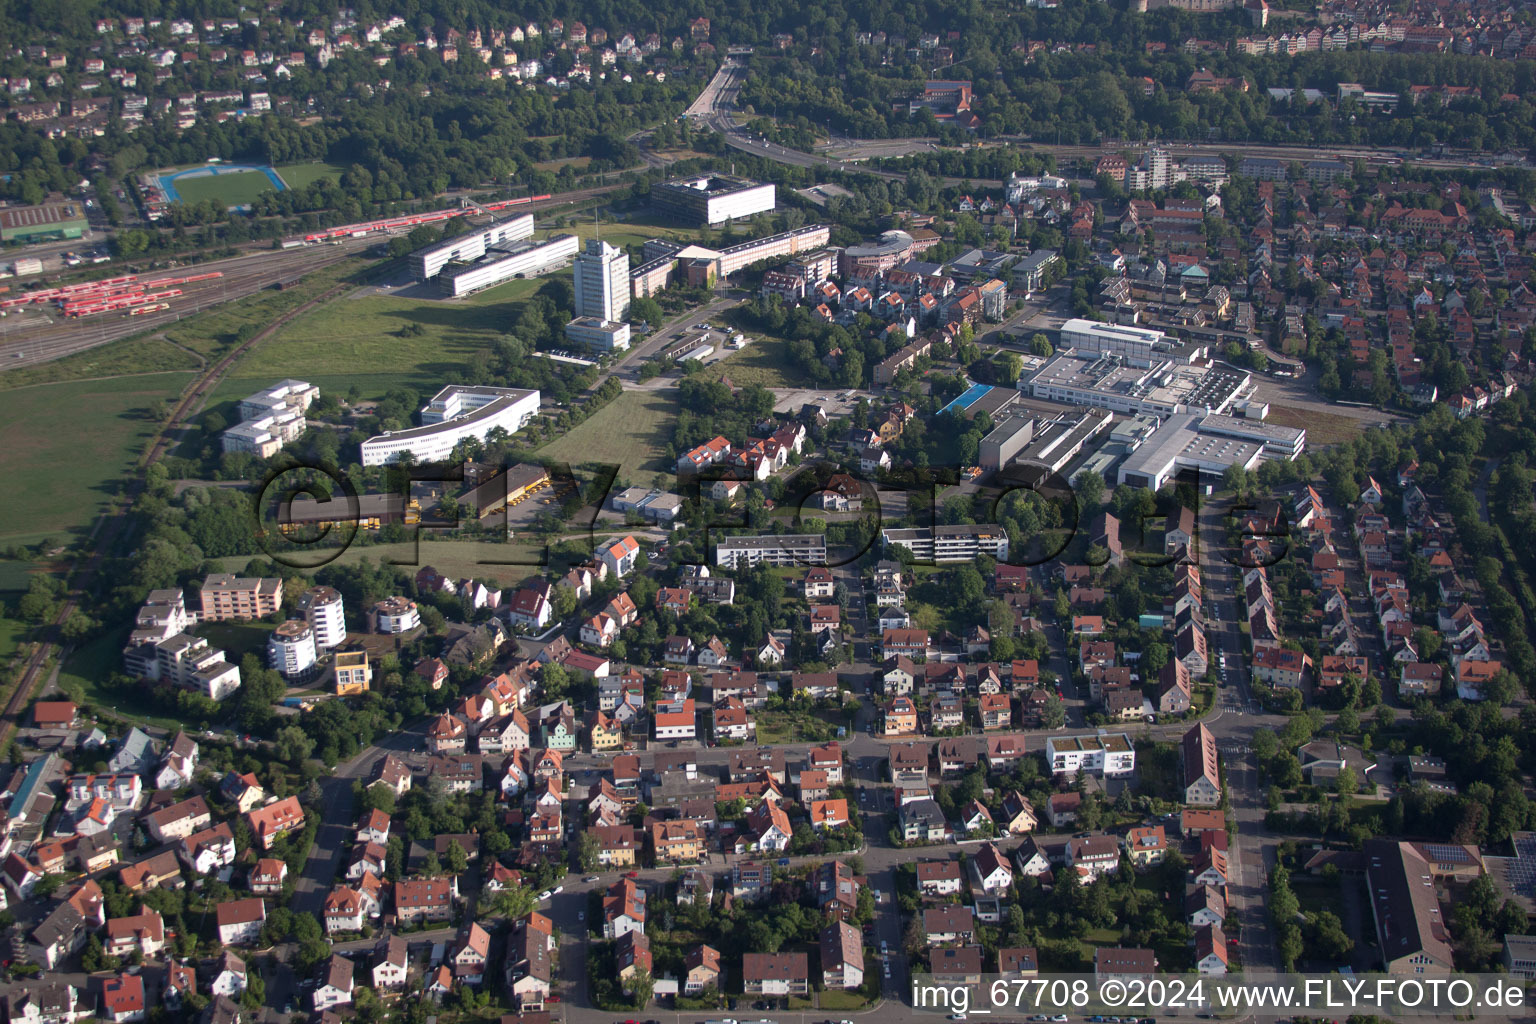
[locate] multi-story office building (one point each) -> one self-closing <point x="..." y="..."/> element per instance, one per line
<point x="525" y="258"/>
<point x="1134" y="345"/>
<point x="602" y="282"/>
<point x="454" y="414"/>
<point x="598" y="335"/>
<point x="428" y="261"/>
<point x="712" y="199"/>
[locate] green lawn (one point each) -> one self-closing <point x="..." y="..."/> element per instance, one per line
<point x="236" y="638"/>
<point x="84" y="674"/>
<point x="231" y="188"/>
<point x="764" y="362"/>
<point x="816" y="726"/>
<point x="11" y="633"/>
<point x="331" y="344"/>
<point x="633" y="231"/>
<point x="300" y="175"/>
<point x="453" y="558"/>
<point x="14" y="577"/>
<point x="520" y="290"/>
<point x="216" y="330"/>
<point x="65" y="447"/>
<point x="131" y="355"/>
<point x="631" y="432"/>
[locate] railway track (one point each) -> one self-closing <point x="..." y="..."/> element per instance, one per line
<point x="109" y="528"/>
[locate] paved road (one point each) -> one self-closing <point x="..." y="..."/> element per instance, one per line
<point x="339" y="816"/>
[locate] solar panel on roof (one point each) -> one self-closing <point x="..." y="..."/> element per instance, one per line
<point x="1446" y="854"/>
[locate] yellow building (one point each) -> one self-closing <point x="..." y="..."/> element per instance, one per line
<point x="603" y="732"/>
<point x="352" y="673"/>
<point x="676" y="841"/>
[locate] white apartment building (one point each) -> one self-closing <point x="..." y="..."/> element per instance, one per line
<point x="394" y="615"/>
<point x="291" y="649"/>
<point x="950" y="543"/>
<point x="270" y="419"/>
<point x="789" y="549"/>
<point x="1102" y="754"/>
<point x="322" y="609"/>
<point x="188" y="661"/>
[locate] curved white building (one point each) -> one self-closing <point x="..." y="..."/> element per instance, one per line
<point x="322" y="609"/>
<point x="291" y="650"/>
<point x="454" y="414"/>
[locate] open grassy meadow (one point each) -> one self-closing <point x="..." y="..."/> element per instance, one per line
<point x="764" y="362"/>
<point x="65" y="447"/>
<point x="631" y="432"/>
<point x="368" y="338"/>
<point x="455" y="558"/>
<point x="145" y="354"/>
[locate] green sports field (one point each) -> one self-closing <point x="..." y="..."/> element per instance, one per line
<point x="300" y="175"/>
<point x="237" y="188"/>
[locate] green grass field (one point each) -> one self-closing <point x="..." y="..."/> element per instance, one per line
<point x="232" y="188"/>
<point x="764" y="362"/>
<point x="129" y="356"/>
<point x="458" y="559"/>
<point x="65" y="447"/>
<point x="631" y="432"/>
<point x="634" y="231"/>
<point x="216" y="330"/>
<point x="352" y="334"/>
<point x="84" y="674"/>
<point x="362" y="333"/>
<point x="300" y="175"/>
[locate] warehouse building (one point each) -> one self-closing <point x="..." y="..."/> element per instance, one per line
<point x="1162" y="389"/>
<point x="505" y="262"/>
<point x="50" y="222"/>
<point x="454" y="414"/>
<point x="1061" y="439"/>
<point x="712" y="198"/>
<point x="1181" y="444"/>
<point x="1137" y="346"/>
<point x="430" y="260"/>
<point x="1005" y="441"/>
<point x="364" y="511"/>
<point x="508" y="489"/>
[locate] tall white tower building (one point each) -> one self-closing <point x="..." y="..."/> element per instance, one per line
<point x="602" y="282"/>
<point x="322" y="609"/>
